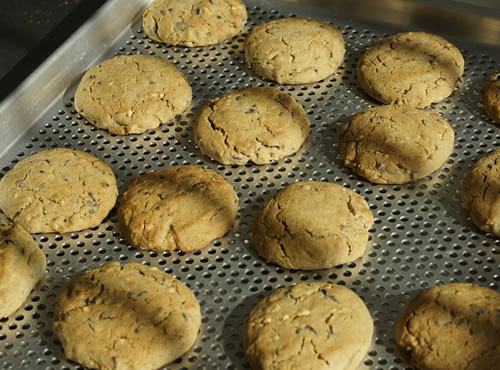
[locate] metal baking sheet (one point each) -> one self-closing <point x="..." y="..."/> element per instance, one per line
<point x="421" y="236"/>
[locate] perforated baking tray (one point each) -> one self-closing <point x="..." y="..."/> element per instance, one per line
<point x="421" y="236"/>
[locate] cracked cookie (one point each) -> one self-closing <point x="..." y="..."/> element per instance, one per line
<point x="128" y="316"/>
<point x="133" y="93"/>
<point x="481" y="193"/>
<point x="252" y="124"/>
<point x="312" y="225"/>
<point x="414" y="68"/>
<point x="491" y="97"/>
<point x="395" y="144"/>
<point x="177" y="208"/>
<point x="59" y="190"/>
<point x="22" y="265"/>
<point x="294" y="50"/>
<point x="194" y="22"/>
<point x="452" y="326"/>
<point x="308" y="326"/>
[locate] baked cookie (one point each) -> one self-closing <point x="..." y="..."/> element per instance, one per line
<point x="414" y="68"/>
<point x="452" y="326"/>
<point x="481" y="193"/>
<point x="181" y="207"/>
<point x="194" y="22"/>
<point x="308" y="326"/>
<point x="133" y="93"/>
<point x="252" y="124"/>
<point x="491" y="97"/>
<point x="395" y="144"/>
<point x="59" y="190"/>
<point x="22" y="265"/>
<point x="294" y="50"/>
<point x="128" y="316"/>
<point x="312" y="225"/>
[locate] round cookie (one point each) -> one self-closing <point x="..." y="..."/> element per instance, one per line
<point x="194" y="22"/>
<point x="180" y="207"/>
<point x="481" y="193"/>
<point x="308" y="326"/>
<point x="294" y="50"/>
<point x="133" y="93"/>
<point x="491" y="97"/>
<point x="414" y="68"/>
<point x="252" y="124"/>
<point x="128" y="316"/>
<point x="22" y="265"/>
<point x="395" y="144"/>
<point x="312" y="225"/>
<point x="452" y="326"/>
<point x="59" y="190"/>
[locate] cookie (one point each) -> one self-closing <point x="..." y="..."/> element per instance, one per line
<point x="491" y="97"/>
<point x="414" y="68"/>
<point x="252" y="124"/>
<point x="481" y="193"/>
<point x="294" y="50"/>
<point x="395" y="144"/>
<point x="308" y="326"/>
<point x="133" y="93"/>
<point x="22" y="265"/>
<point x="312" y="225"/>
<point x="194" y="22"/>
<point x="59" y="190"/>
<point x="128" y="316"/>
<point x="452" y="326"/>
<point x="181" y="207"/>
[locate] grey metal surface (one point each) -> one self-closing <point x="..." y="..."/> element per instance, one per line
<point x="421" y="236"/>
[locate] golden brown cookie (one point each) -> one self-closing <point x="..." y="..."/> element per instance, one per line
<point x="133" y="93"/>
<point x="181" y="207"/>
<point x="59" y="190"/>
<point x="491" y="97"/>
<point x="312" y="225"/>
<point x="481" y="193"/>
<point x="194" y="22"/>
<point x="252" y="124"/>
<point x="395" y="144"/>
<point x="294" y="50"/>
<point x="414" y="68"/>
<point x="128" y="316"/>
<point x="308" y="326"/>
<point x="22" y="265"/>
<point x="452" y="326"/>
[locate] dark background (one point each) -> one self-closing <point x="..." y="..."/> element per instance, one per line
<point x="30" y="30"/>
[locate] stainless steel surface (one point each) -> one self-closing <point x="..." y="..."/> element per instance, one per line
<point x="468" y="22"/>
<point x="34" y="96"/>
<point x="421" y="236"/>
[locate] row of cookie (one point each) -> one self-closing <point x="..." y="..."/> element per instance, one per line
<point x="185" y="207"/>
<point x="409" y="68"/>
<point x="134" y="316"/>
<point x="414" y="68"/>
<point x="108" y="313"/>
<point x="262" y="124"/>
<point x="265" y="124"/>
<point x="288" y="50"/>
<point x="137" y="317"/>
<point x="131" y="96"/>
